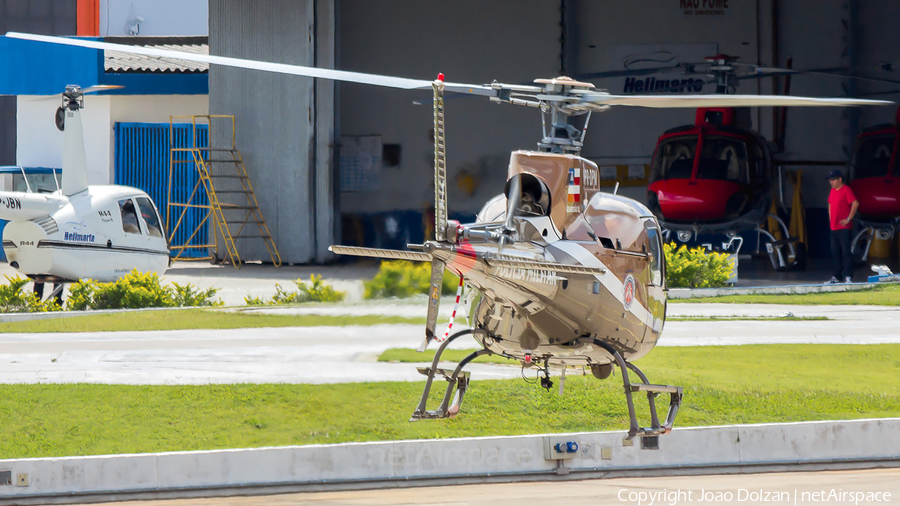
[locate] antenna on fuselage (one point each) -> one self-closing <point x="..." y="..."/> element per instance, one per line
<point x="25" y="177"/>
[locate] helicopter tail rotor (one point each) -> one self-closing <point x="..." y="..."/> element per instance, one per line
<point x="437" y="277"/>
<point x="434" y="302"/>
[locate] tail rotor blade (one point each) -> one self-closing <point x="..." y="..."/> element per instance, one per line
<point x="434" y="301"/>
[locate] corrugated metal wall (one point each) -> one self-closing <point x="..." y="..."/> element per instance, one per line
<point x="142" y="161"/>
<point x="46" y="17"/>
<point x="276" y="118"/>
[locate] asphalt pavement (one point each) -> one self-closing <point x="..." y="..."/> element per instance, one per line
<point x="349" y="353"/>
<point x="870" y="487"/>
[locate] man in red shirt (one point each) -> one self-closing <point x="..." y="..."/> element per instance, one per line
<point x="842" y="206"/>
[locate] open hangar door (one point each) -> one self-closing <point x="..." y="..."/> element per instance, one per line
<point x="476" y="42"/>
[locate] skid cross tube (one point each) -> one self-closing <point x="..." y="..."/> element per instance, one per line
<point x="444" y="410"/>
<point x="675" y="394"/>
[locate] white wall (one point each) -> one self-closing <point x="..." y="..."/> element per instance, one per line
<point x="161" y="17"/>
<point x="39" y="143"/>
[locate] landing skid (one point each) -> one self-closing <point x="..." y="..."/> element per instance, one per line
<point x="457" y="379"/>
<point x="57" y="292"/>
<point x="649" y="435"/>
<point x="460" y="380"/>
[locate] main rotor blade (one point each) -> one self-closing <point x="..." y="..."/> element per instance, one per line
<point x="839" y="73"/>
<point x="101" y="87"/>
<point x="281" y="68"/>
<point x="693" y="101"/>
<point x="678" y="67"/>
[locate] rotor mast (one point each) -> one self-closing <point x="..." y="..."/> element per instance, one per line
<point x="558" y="99"/>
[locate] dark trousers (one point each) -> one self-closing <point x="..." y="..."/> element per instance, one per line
<point x="841" y="259"/>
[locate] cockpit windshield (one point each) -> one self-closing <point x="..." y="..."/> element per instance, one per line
<point x="873" y="157"/>
<point x="674" y="159"/>
<point x="723" y="158"/>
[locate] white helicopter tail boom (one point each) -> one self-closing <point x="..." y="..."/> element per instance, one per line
<point x="18" y="206"/>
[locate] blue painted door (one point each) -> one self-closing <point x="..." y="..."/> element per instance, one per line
<point x="142" y="161"/>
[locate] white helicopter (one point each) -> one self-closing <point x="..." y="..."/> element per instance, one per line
<point x="81" y="231"/>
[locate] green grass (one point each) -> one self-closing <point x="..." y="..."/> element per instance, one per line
<point x="722" y="385"/>
<point x="192" y="319"/>
<point x="411" y="355"/>
<point x="186" y="319"/>
<point x="888" y="295"/>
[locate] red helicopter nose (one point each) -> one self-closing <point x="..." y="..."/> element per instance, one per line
<point x="879" y="197"/>
<point x="695" y="199"/>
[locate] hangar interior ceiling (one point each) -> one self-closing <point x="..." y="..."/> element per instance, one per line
<point x="516" y="42"/>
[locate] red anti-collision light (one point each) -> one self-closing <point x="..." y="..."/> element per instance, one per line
<point x="440" y="77"/>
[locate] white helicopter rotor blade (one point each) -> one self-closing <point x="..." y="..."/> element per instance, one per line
<point x="693" y="101"/>
<point x="282" y="68"/>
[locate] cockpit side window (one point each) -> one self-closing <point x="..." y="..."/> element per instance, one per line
<point x="873" y="157"/>
<point x="657" y="261"/>
<point x="674" y="158"/>
<point x="129" y="217"/>
<point x="151" y="218"/>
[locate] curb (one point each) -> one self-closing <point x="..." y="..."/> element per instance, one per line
<point x="854" y="444"/>
<point x="690" y="293"/>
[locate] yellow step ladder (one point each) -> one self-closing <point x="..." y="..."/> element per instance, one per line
<point x="230" y="200"/>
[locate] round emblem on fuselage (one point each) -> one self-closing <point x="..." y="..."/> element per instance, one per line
<point x="628" y="290"/>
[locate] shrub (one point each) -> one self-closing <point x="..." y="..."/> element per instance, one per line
<point x="696" y="267"/>
<point x="315" y="291"/>
<point x="136" y="290"/>
<point x="401" y="279"/>
<point x="14" y="300"/>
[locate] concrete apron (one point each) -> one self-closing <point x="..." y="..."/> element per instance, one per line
<point x="730" y="449"/>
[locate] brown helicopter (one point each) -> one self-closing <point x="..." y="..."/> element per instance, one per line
<point x="564" y="274"/>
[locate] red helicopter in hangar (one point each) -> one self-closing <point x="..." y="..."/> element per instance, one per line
<point x="717" y="175"/>
<point x="874" y="176"/>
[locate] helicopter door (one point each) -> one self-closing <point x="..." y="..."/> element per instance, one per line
<point x="150" y="217"/>
<point x="130" y="223"/>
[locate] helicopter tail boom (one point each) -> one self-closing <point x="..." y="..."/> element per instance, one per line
<point x="20" y="206"/>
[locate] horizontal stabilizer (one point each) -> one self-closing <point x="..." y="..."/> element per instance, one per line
<point x="545" y="266"/>
<point x="390" y="254"/>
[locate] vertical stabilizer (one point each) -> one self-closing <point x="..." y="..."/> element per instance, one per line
<point x="440" y="162"/>
<point x="74" y="166"/>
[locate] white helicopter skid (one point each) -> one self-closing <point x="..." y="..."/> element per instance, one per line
<point x="101" y="233"/>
